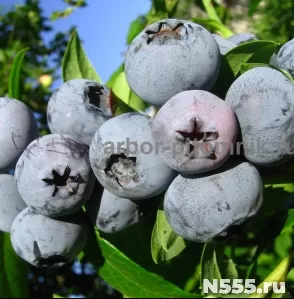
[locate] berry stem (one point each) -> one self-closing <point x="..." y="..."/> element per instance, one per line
<point x="209" y="8"/>
<point x="208" y="5"/>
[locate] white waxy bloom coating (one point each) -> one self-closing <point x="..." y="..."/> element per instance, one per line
<point x="240" y="38"/>
<point x="197" y="131"/>
<point x="54" y="175"/>
<point x="18" y="129"/>
<point x="170" y="56"/>
<point x="125" y="160"/>
<point x="11" y="203"/>
<point x="203" y="208"/>
<point x="263" y="100"/>
<point x="46" y="242"/>
<point x="274" y="60"/>
<point x="285" y="57"/>
<point x="78" y="108"/>
<point x="112" y="214"/>
<point x="224" y="45"/>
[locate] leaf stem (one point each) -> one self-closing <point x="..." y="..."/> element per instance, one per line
<point x="15" y="74"/>
<point x="208" y="5"/>
<point x="279" y="274"/>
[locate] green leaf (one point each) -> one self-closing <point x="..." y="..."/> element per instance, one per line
<point x="209" y="265"/>
<point x="194" y="281"/>
<point x="285" y="295"/>
<point x="285" y="187"/>
<point x="155" y="17"/>
<point x="289" y="222"/>
<point x="136" y="27"/>
<point x="252" y="52"/>
<point x="13" y="271"/>
<point x="75" y="64"/>
<point x="159" y="6"/>
<point x="248" y="66"/>
<point x="126" y="276"/>
<point x="252" y="6"/>
<point x="122" y="91"/>
<point x="55" y="15"/>
<point x="135" y="244"/>
<point x="62" y="14"/>
<point x="158" y="253"/>
<point x="257" y="51"/>
<point x="76" y="3"/>
<point x="283" y="244"/>
<point x="214" y="26"/>
<point x="121" y="88"/>
<point x="228" y="269"/>
<point x="171" y="6"/>
<point x="158" y="12"/>
<point x="113" y="77"/>
<point x="165" y="243"/>
<point x="167" y="237"/>
<point x="15" y="72"/>
<point x="209" y="8"/>
<point x="215" y="265"/>
<point x="117" y="105"/>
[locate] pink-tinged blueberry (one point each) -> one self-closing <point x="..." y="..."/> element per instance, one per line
<point x="196" y="130"/>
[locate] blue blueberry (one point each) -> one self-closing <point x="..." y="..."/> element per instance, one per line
<point x="125" y="159"/>
<point x="285" y="57"/>
<point x="11" y="203"/>
<point x="204" y="208"/>
<point x="262" y="99"/>
<point x="54" y="175"/>
<point x="170" y="56"/>
<point x="78" y="108"/>
<point x="112" y="214"/>
<point x="46" y="242"/>
<point x="18" y="128"/>
<point x="224" y="45"/>
<point x="240" y="38"/>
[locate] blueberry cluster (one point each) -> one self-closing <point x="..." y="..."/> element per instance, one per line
<point x="114" y="165"/>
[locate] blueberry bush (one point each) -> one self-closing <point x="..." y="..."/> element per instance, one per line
<point x="155" y="225"/>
